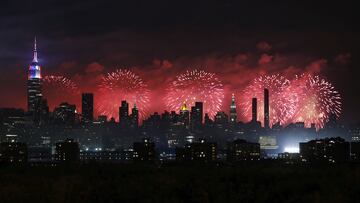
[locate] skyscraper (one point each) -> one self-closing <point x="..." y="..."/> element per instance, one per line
<point x="124" y="114"/>
<point x="87" y="107"/>
<point x="65" y="114"/>
<point x="266" y="109"/>
<point x="221" y="119"/>
<point x="233" y="114"/>
<point x="41" y="112"/>
<point x="196" y="116"/>
<point x="34" y="82"/>
<point x="134" y="117"/>
<point x="207" y="120"/>
<point x="254" y="110"/>
<point x="184" y="115"/>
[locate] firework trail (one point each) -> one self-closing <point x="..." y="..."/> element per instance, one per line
<point x="119" y="85"/>
<point x="318" y="99"/>
<point x="57" y="89"/>
<point x="282" y="102"/>
<point x="195" y="85"/>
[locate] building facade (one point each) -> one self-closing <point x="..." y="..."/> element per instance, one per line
<point x="13" y="153"/>
<point x="240" y="150"/>
<point x="331" y="150"/>
<point x="144" y="151"/>
<point x="87" y="102"/>
<point x="196" y="116"/>
<point x="201" y="151"/>
<point x="67" y="151"/>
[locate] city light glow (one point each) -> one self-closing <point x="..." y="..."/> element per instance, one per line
<point x="292" y="149"/>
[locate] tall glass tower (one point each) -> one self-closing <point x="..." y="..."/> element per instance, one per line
<point x="34" y="82"/>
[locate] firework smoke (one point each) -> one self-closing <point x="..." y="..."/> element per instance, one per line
<point x="57" y="89"/>
<point x="282" y="105"/>
<point x="192" y="86"/>
<point x="318" y="99"/>
<point x="119" y="85"/>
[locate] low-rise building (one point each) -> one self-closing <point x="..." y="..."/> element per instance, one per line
<point x="201" y="151"/>
<point x="117" y="156"/>
<point x="325" y="150"/>
<point x="288" y="157"/>
<point x="67" y="151"/>
<point x="13" y="153"/>
<point x="240" y="150"/>
<point x="144" y="151"/>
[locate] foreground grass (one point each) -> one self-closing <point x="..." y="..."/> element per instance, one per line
<point x="148" y="183"/>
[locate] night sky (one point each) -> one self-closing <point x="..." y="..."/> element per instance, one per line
<point x="237" y="40"/>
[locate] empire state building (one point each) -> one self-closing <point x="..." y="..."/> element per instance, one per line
<point x="34" y="82"/>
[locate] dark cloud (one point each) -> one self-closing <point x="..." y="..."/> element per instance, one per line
<point x="343" y="59"/>
<point x="263" y="46"/>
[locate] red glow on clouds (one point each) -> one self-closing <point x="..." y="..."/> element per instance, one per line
<point x="57" y="89"/>
<point x="316" y="66"/>
<point x="265" y="59"/>
<point x="94" y="68"/>
<point x="236" y="73"/>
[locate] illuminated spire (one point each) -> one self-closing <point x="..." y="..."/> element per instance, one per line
<point x="233" y="103"/>
<point x="35" y="59"/>
<point x="184" y="107"/>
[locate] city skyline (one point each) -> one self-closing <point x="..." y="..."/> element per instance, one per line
<point x="67" y="88"/>
<point x="235" y="49"/>
<point x="179" y="101"/>
<point x="199" y="79"/>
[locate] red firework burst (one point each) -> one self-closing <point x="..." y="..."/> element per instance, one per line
<point x="282" y="103"/>
<point x="121" y="85"/>
<point x="317" y="100"/>
<point x="192" y="86"/>
<point x="57" y="89"/>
